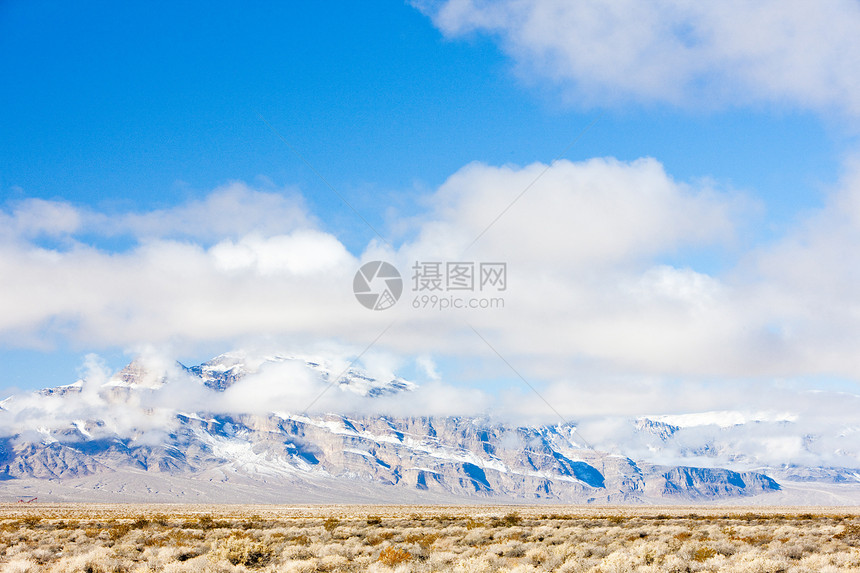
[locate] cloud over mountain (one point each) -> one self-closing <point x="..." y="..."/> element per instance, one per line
<point x="597" y="315"/>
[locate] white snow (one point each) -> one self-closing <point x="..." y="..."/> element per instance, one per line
<point x="81" y="426"/>
<point x="48" y="438"/>
<point x="364" y="453"/>
<point x="722" y="418"/>
<point x="427" y="446"/>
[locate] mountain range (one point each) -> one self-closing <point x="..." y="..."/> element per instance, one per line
<point x="137" y="437"/>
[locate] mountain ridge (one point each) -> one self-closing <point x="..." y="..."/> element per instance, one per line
<point x="279" y="454"/>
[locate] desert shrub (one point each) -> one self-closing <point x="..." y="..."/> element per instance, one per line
<point x="20" y="566"/>
<point x="393" y="556"/>
<point x="792" y="551"/>
<point x="512" y="549"/>
<point x="118" y="531"/>
<point x="194" y="565"/>
<point x="423" y="540"/>
<point x="98" y="560"/>
<point x="244" y="551"/>
<point x="757" y="539"/>
<point x="850" y="534"/>
<point x="474" y="538"/>
<point x="301" y="539"/>
<point x="474" y="564"/>
<point x="703" y="554"/>
<point x="186" y="554"/>
<point x="377" y="539"/>
<point x="332" y="563"/>
<point x="296" y="552"/>
<point x="537" y="555"/>
<point x="135" y="542"/>
<point x="509" y="520"/>
<point x="45" y="554"/>
<point x="750" y="517"/>
<point x="205" y="522"/>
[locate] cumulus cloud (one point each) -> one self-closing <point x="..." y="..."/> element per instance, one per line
<point x="302" y="252"/>
<point x="231" y="211"/>
<point x="269" y="271"/>
<point x="33" y="218"/>
<point x="597" y="212"/>
<point x="674" y="51"/>
<point x="589" y="288"/>
<point x="804" y="287"/>
<point x="596" y="316"/>
<point x="278" y="387"/>
<point x="586" y="283"/>
<point x="144" y="417"/>
<point x="590" y="285"/>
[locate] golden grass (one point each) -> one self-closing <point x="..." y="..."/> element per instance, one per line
<point x="137" y="538"/>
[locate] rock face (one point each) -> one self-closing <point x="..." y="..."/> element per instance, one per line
<point x="710" y="483"/>
<point x="432" y="458"/>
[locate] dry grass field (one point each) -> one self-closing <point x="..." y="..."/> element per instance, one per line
<point x="136" y="538"/>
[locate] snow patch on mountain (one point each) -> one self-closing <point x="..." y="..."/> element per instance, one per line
<point x="723" y="419"/>
<point x="225" y="370"/>
<point x="188" y="423"/>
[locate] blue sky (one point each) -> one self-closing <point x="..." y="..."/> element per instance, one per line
<point x="114" y="111"/>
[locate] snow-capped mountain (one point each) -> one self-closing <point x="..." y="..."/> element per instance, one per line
<point x="128" y="438"/>
<point x="223" y="371"/>
<point x="767" y="442"/>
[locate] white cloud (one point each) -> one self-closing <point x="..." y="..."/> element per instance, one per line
<point x="804" y="287"/>
<point x="233" y="210"/>
<point x="31" y="218"/>
<point x="237" y="263"/>
<point x="302" y="252"/>
<point x="765" y="423"/>
<point x="284" y="386"/>
<point x="428" y="367"/>
<point x="595" y="315"/>
<point x="590" y="289"/>
<point x="676" y="51"/>
<point x="583" y="249"/>
<point x="594" y="213"/>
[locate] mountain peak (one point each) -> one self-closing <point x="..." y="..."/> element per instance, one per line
<point x="224" y="370"/>
<point x="139" y="374"/>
